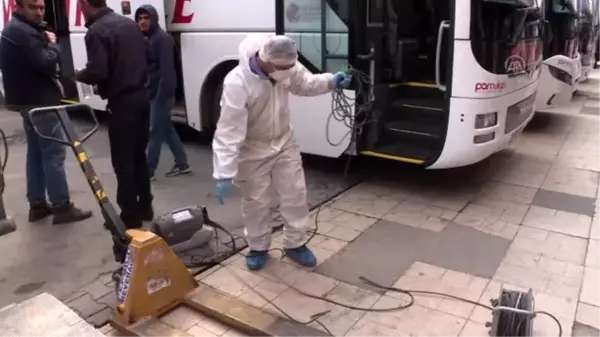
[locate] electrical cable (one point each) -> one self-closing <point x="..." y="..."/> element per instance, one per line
<point x="353" y="113"/>
<point x="347" y="110"/>
<point x="408" y="292"/>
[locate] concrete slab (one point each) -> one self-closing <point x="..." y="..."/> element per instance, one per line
<point x="366" y="255"/>
<point x="565" y="202"/>
<point x="455" y="247"/>
<point x="589" y="88"/>
<point x="590" y="110"/>
<point x="582" y="330"/>
<point x="43" y="315"/>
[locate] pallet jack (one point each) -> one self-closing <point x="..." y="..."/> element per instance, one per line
<point x="154" y="280"/>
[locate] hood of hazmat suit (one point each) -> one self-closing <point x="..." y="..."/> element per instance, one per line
<point x="255" y="117"/>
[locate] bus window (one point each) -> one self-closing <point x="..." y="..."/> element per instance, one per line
<point x="506" y="36"/>
<point x="324" y="43"/>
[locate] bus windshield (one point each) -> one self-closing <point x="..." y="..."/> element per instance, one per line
<point x="506" y="35"/>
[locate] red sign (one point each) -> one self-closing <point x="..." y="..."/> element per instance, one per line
<point x="9" y="7"/>
<point x="530" y="52"/>
<point x="489" y="86"/>
<point x="78" y="15"/>
<point x="178" y="16"/>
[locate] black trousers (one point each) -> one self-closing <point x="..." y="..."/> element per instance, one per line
<point x="128" y="133"/>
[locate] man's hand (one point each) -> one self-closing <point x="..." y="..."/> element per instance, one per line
<point x="50" y="37"/>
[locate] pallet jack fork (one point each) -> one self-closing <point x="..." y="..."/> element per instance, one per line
<point x="154" y="280"/>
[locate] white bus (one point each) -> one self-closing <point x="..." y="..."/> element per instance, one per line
<point x="453" y="81"/>
<point x="561" y="69"/>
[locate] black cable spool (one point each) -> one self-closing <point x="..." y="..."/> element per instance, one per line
<point x="513" y="323"/>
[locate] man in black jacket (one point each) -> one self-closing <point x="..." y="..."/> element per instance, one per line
<point x="116" y="64"/>
<point x="162" y="85"/>
<point x="29" y="59"/>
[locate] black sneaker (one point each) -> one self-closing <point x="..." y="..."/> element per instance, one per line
<point x="176" y="171"/>
<point x="39" y="211"/>
<point x="152" y="177"/>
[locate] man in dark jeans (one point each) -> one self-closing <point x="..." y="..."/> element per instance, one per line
<point x="162" y="84"/>
<point x="29" y="59"/>
<point x="117" y="66"/>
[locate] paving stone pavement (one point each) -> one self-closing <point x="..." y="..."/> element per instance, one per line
<point x="525" y="218"/>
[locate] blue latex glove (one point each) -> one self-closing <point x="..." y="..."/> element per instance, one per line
<point x="341" y="80"/>
<point x="224" y="187"/>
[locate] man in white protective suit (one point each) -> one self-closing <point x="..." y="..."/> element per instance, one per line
<point x="254" y="146"/>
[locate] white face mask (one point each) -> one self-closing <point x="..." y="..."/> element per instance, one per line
<point x="281" y="75"/>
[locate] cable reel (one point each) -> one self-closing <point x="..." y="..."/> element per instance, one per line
<point x="513" y="313"/>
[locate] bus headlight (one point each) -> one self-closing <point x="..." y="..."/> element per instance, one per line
<point x="487" y="120"/>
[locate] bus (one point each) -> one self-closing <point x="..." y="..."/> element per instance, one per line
<point x="589" y="23"/>
<point x="451" y="82"/>
<point x="561" y="68"/>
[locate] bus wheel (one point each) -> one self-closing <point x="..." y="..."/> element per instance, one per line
<point x="212" y="90"/>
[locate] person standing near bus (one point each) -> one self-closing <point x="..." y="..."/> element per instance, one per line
<point x="162" y="85"/>
<point x="29" y="59"/>
<point x="116" y="51"/>
<point x="254" y="143"/>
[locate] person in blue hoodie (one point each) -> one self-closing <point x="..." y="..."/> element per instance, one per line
<point x="161" y="86"/>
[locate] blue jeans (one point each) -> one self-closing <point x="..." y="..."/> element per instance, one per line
<point x="162" y="128"/>
<point x="45" y="168"/>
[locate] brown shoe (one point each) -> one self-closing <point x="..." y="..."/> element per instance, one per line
<point x="69" y="213"/>
<point x="39" y="211"/>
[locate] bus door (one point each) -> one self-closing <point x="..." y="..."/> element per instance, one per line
<point x="405" y="47"/>
<point x="402" y="45"/>
<point x="321" y="31"/>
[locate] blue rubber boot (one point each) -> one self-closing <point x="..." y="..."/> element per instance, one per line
<point x="256" y="260"/>
<point x="302" y="255"/>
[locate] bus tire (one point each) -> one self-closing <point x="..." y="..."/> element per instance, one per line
<point x="211" y="95"/>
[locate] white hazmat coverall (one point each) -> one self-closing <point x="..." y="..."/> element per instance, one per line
<point x="254" y="145"/>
